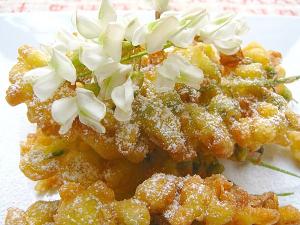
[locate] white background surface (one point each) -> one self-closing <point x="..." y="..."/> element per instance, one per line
<point x="278" y="33"/>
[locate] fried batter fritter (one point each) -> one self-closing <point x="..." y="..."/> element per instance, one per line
<point x="53" y="161"/>
<point x="161" y="199"/>
<point x="237" y="105"/>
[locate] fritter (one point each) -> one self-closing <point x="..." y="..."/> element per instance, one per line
<point x="54" y="161"/>
<point x="162" y="199"/>
<point x="242" y="102"/>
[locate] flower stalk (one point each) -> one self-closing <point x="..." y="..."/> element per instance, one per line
<point x="285" y="194"/>
<point x="271" y="167"/>
<point x="142" y="53"/>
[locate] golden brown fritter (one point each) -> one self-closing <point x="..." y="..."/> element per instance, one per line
<point x="53" y="161"/>
<point x="39" y="213"/>
<point x="160" y="200"/>
<point x="240" y="103"/>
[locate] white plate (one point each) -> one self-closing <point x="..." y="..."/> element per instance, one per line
<point x="278" y="33"/>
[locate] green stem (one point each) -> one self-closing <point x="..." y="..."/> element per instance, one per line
<point x="285" y="194"/>
<point x="236" y="82"/>
<point x="157" y="15"/>
<point x="285" y="80"/>
<point x="142" y="53"/>
<point x="269" y="166"/>
<point x="84" y="74"/>
<point x="131" y="57"/>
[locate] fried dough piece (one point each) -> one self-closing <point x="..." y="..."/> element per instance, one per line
<point x="84" y="207"/>
<point x="163" y="128"/>
<point x="53" y="161"/>
<point x="161" y="200"/>
<point x="39" y="213"/>
<point x="15" y="216"/>
<point x="213" y="200"/>
<point x="236" y="105"/>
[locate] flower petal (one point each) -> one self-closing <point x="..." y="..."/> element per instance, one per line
<point x="32" y="76"/>
<point x="164" y="84"/>
<point x="114" y="80"/>
<point x="112" y="41"/>
<point x="94" y="124"/>
<point x="169" y="69"/>
<point x="123" y="97"/>
<point x="67" y="126"/>
<point x="228" y="46"/>
<point x="64" y="111"/>
<point x="189" y="74"/>
<point x="241" y="27"/>
<point x="184" y="38"/>
<point x="66" y="41"/>
<point x="167" y="75"/>
<point x="44" y="81"/>
<point x="234" y="27"/>
<point x="160" y="5"/>
<point x="121" y="115"/>
<point x="218" y="23"/>
<point x="88" y="27"/>
<point x="107" y="13"/>
<point x="61" y="42"/>
<point x="195" y="18"/>
<point x="45" y="87"/>
<point x="91" y="109"/>
<point x="139" y="35"/>
<point x="177" y="69"/>
<point x="226" y="38"/>
<point x="63" y="66"/>
<point x="156" y="39"/>
<point x="227" y="31"/>
<point x="89" y="105"/>
<point x="108" y="85"/>
<point x="92" y="56"/>
<point x="46" y="50"/>
<point x="132" y="24"/>
<point x="190" y="21"/>
<point x="106" y="70"/>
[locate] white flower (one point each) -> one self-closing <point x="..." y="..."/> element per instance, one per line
<point x="123" y="97"/>
<point x="46" y="80"/>
<point x="112" y="40"/>
<point x="191" y="22"/>
<point x="176" y="69"/>
<point x="160" y="5"/>
<point x="224" y="33"/>
<point x="156" y="34"/>
<point x="109" y="73"/>
<point x="84" y="105"/>
<point x="66" y="42"/>
<point x="104" y="60"/>
<point x="131" y="23"/>
<point x="180" y="29"/>
<point x="94" y="55"/>
<point x="93" y="27"/>
<point x="115" y="75"/>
